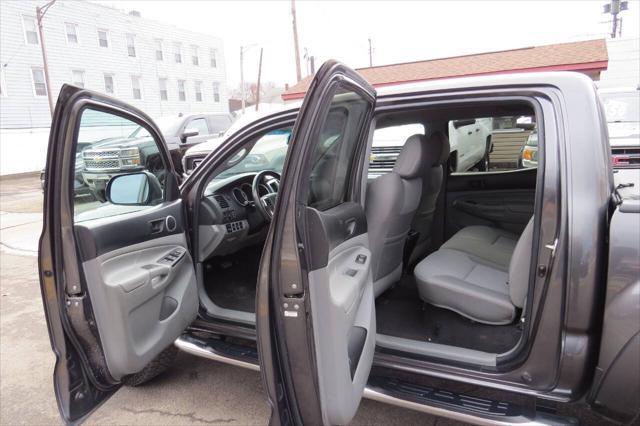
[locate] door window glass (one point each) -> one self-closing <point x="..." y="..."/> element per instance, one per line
<point x="335" y="147"/>
<point x="105" y="152"/>
<point x="492" y="144"/>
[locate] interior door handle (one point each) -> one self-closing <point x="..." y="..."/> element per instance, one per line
<point x="350" y="227"/>
<point x="156" y="226"/>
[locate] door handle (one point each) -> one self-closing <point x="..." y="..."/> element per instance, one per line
<point x="350" y="227"/>
<point x="156" y="226"/>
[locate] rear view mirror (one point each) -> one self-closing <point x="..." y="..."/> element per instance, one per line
<point x="461" y="123"/>
<point x="188" y="133"/>
<point x="134" y="189"/>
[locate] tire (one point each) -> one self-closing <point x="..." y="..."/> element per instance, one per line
<point x="157" y="366"/>
<point x="483" y="165"/>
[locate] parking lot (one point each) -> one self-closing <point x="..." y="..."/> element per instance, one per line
<point x="194" y="391"/>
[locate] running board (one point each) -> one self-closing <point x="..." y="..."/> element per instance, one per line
<point x="456" y="406"/>
<point x="437" y="402"/>
<point x="218" y="350"/>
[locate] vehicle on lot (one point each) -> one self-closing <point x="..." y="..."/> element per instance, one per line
<point x="128" y="148"/>
<point x="422" y="288"/>
<point x="622" y="108"/>
<point x="529" y="154"/>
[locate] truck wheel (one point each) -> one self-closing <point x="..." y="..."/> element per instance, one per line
<point x="483" y="165"/>
<point x="157" y="366"/>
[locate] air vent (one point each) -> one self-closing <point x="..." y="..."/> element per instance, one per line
<point x="222" y="202"/>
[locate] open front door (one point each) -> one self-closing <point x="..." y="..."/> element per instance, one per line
<point x="117" y="280"/>
<point x="316" y="312"/>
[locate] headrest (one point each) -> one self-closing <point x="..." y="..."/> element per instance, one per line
<point x="439" y="149"/>
<point x="411" y="159"/>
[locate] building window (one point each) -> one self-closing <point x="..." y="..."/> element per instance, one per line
<point x="177" y="52"/>
<point x="159" y="55"/>
<point x="39" y="85"/>
<point x="213" y="53"/>
<point x="77" y="78"/>
<point x="216" y="92"/>
<point x="162" y="82"/>
<point x="103" y="38"/>
<point x="136" y="86"/>
<point x="198" y="87"/>
<point x="30" y="30"/>
<point x="72" y="32"/>
<point x="3" y="85"/>
<point x="194" y="56"/>
<point x="182" y="90"/>
<point x="131" y="45"/>
<point x="108" y="84"/>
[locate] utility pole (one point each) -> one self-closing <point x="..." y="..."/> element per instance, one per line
<point x="295" y="40"/>
<point x="259" y="75"/>
<point x="242" y="76"/>
<point x="40" y="12"/>
<point x="370" y="53"/>
<point x="614" y="8"/>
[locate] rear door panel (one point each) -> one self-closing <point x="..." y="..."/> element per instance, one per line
<point x="499" y="199"/>
<point x="113" y="301"/>
<point x="316" y="311"/>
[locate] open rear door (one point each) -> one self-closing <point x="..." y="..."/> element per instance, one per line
<point x="117" y="280"/>
<point x="316" y="311"/>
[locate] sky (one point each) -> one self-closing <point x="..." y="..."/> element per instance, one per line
<point x="401" y="31"/>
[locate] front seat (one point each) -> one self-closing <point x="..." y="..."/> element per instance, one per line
<point x="431" y="184"/>
<point x="391" y="202"/>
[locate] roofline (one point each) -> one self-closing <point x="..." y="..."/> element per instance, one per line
<point x="584" y="66"/>
<point x="445" y="58"/>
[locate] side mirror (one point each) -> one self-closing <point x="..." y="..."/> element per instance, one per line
<point x="461" y="123"/>
<point x="134" y="189"/>
<point x="188" y="133"/>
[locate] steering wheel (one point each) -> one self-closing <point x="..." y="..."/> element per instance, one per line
<point x="265" y="204"/>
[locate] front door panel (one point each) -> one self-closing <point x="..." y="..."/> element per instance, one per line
<point x="116" y="275"/>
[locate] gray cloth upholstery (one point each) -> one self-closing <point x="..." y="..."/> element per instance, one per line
<point x="391" y="202"/>
<point x="436" y="155"/>
<point x="520" y="265"/>
<point x="491" y="244"/>
<point x="410" y="161"/>
<point x="481" y="273"/>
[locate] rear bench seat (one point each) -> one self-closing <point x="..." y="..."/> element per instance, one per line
<point x="481" y="273"/>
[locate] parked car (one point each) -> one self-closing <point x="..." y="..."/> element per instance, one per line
<point x="529" y="154"/>
<point x="521" y="309"/>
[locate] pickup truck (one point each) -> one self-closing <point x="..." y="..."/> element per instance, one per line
<point x="486" y="297"/>
<point x="130" y="148"/>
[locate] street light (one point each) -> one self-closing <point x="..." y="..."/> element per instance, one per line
<point x="40" y="12"/>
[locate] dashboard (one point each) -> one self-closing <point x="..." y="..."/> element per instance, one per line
<point x="228" y="219"/>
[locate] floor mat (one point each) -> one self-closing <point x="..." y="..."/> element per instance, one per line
<point x="231" y="280"/>
<point x="400" y="312"/>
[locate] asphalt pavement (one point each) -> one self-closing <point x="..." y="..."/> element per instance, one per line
<point x="193" y="391"/>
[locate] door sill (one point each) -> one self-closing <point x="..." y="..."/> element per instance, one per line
<point x="426" y="399"/>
